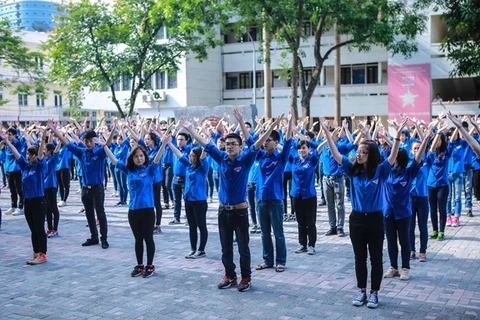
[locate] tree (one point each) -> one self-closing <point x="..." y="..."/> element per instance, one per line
<point x="362" y="24"/>
<point x="462" y="42"/>
<point x="95" y="43"/>
<point x="21" y="70"/>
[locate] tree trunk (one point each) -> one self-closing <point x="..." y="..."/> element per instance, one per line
<point x="294" y="83"/>
<point x="338" y="107"/>
<point x="267" y="74"/>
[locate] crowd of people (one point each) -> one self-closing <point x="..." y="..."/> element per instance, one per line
<point x="395" y="178"/>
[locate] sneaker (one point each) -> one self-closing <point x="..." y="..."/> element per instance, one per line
<point x="52" y="234"/>
<point x="190" y="255"/>
<point x="455" y="221"/>
<point x="105" y="244"/>
<point x="413" y="255"/>
<point x="149" y="271"/>
<point x="18" y="212"/>
<point x="41" y="258"/>
<point x="166" y="206"/>
<point x="119" y="203"/>
<point x="323" y="203"/>
<point x="114" y="194"/>
<point x="9" y="211"/>
<point x="441" y="236"/>
<point x="78" y="191"/>
<point x="340" y="232"/>
<point x="61" y="203"/>
<point x="449" y="221"/>
<point x="157" y="230"/>
<point x="259" y="230"/>
<point x="360" y="299"/>
<point x="245" y="284"/>
<point x="392" y="272"/>
<point x="227" y="282"/>
<point x="81" y="210"/>
<point x="285" y="218"/>
<point x="137" y="271"/>
<point x="90" y="242"/>
<point x="331" y="232"/>
<point x="254" y="229"/>
<point x="422" y="257"/>
<point x="373" y="300"/>
<point x="292" y="217"/>
<point x="47" y="232"/>
<point x="174" y="221"/>
<point x="405" y="274"/>
<point x="29" y="261"/>
<point x="186" y="224"/>
<point x="199" y="254"/>
<point x="469" y="213"/>
<point x="210" y="199"/>
<point x="301" y="249"/>
<point x="434" y="235"/>
<point x="311" y="251"/>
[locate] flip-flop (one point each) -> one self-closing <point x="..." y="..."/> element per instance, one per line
<point x="262" y="266"/>
<point x="280" y="268"/>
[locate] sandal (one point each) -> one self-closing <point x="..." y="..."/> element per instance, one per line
<point x="262" y="266"/>
<point x="280" y="268"/>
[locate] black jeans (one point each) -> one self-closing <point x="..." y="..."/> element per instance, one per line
<point x="437" y="198"/>
<point x="366" y="234"/>
<point x="52" y="209"/>
<point x="35" y="210"/>
<point x="251" y="187"/>
<point x="197" y="218"/>
<point x="157" y="202"/>
<point x="210" y="185"/>
<point x="397" y="230"/>
<point x="167" y="184"/>
<point x="178" y="191"/>
<point x="287" y="183"/>
<point x="15" y="185"/>
<point x="63" y="179"/>
<point x="141" y="222"/>
<point x="306" y="211"/>
<point x="230" y="221"/>
<point x="93" y="200"/>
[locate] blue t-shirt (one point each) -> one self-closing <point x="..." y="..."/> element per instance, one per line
<point x="32" y="178"/>
<point x="438" y="164"/>
<point x="92" y="163"/>
<point x="64" y="157"/>
<point x="196" y="180"/>
<point x="50" y="180"/>
<point x="303" y="175"/>
<point x="140" y="185"/>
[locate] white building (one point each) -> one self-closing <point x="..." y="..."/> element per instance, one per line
<point x="30" y="106"/>
<point x="226" y="78"/>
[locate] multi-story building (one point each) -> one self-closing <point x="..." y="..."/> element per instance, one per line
<point x="226" y="78"/>
<point x="30" y="15"/>
<point x="28" y="105"/>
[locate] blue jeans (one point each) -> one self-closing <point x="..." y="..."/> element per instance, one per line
<point x="178" y="189"/>
<point x="230" y="221"/>
<point x="270" y="213"/>
<point x="122" y="188"/>
<point x="467" y="185"/>
<point x="438" y="205"/>
<point x="456" y="187"/>
<point x="398" y="229"/>
<point x="420" y="212"/>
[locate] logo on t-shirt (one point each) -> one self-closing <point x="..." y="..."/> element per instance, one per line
<point x="237" y="169"/>
<point x="143" y="174"/>
<point x="375" y="181"/>
<point x="274" y="163"/>
<point x="306" y="166"/>
<point x="403" y="183"/>
<point x="31" y="173"/>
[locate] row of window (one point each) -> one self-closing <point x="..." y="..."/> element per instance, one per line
<point x="40" y="101"/>
<point x="159" y="80"/>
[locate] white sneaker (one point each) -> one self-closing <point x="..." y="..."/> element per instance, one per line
<point x="17" y="212"/>
<point x="392" y="272"/>
<point x="405" y="274"/>
<point x="115" y="194"/>
<point x="79" y="191"/>
<point x="9" y="211"/>
<point x="61" y="203"/>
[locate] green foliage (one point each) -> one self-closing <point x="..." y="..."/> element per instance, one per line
<point x="462" y="42"/>
<point x="95" y="43"/>
<point x="25" y="75"/>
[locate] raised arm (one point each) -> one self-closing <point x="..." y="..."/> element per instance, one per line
<point x="166" y="139"/>
<point x="396" y="144"/>
<point x="175" y="150"/>
<point x="109" y="154"/>
<point x="267" y="133"/>
<point x="40" y="153"/>
<point x="470" y="140"/>
<point x="423" y="146"/>
<point x="237" y="114"/>
<point x="333" y="148"/>
<point x="14" y="150"/>
<point x="189" y="127"/>
<point x="56" y="133"/>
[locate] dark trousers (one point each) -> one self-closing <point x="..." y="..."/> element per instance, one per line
<point x="16" y="191"/>
<point x="111" y="169"/>
<point x="251" y="187"/>
<point x="35" y="210"/>
<point x="211" y="184"/>
<point x="157" y="202"/>
<point x="366" y="234"/>
<point x="287" y="183"/>
<point x="476" y="184"/>
<point x="178" y="189"/>
<point x="122" y="186"/>
<point x="230" y="221"/>
<point x="167" y="184"/>
<point x="63" y="179"/>
<point x="197" y="218"/>
<point x="216" y="180"/>
<point x="438" y="204"/>
<point x="53" y="216"/>
<point x="420" y="213"/>
<point x="398" y="230"/>
<point x="306" y="211"/>
<point x="141" y="222"/>
<point x="93" y="200"/>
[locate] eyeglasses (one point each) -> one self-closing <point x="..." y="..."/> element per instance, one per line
<point x="231" y="144"/>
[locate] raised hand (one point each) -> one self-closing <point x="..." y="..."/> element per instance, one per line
<point x="237" y="114"/>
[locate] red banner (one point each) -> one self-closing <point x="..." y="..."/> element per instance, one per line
<point x="409" y="91"/>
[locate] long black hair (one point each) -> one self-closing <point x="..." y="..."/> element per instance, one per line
<point x="373" y="160"/>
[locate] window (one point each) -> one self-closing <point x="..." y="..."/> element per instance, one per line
<point x="372" y="74"/>
<point x="116" y="83"/>
<point x="58" y="99"/>
<point x="148" y="82"/>
<point x="232" y="82"/>
<point x="245" y="81"/>
<point x="307" y="75"/>
<point x="259" y="79"/>
<point x="358" y="74"/>
<point x="346" y="75"/>
<point x="162" y="33"/>
<point x="1" y="93"/>
<point x="39" y="62"/>
<point x="126" y="82"/>
<point x="23" y="99"/>
<point x="172" y="80"/>
<point x="40" y="101"/>
<point x="160" y="80"/>
<point x="250" y="36"/>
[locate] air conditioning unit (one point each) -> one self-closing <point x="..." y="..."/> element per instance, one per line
<point x="158" y="96"/>
<point x="147" y="97"/>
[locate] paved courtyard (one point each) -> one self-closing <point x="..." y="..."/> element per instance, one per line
<point x="91" y="283"/>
